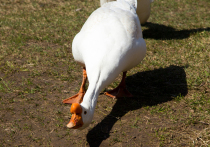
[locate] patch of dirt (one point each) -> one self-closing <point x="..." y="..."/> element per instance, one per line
<point x="32" y="113"/>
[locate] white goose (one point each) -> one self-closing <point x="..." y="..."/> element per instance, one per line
<point x="110" y="42"/>
<point x="143" y="9"/>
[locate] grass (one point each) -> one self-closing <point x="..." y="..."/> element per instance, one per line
<point x="171" y="87"/>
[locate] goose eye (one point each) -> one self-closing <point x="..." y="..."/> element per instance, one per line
<point x="85" y="112"/>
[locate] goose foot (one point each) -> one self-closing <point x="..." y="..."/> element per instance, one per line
<point x="75" y="99"/>
<point x="120" y="90"/>
<point x="78" y="98"/>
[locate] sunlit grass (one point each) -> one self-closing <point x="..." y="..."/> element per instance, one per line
<point x="171" y="104"/>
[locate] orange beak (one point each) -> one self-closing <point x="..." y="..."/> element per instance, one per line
<point x="76" y="119"/>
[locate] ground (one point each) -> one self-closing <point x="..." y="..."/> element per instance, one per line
<point x="171" y="87"/>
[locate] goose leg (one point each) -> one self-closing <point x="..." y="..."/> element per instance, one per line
<point x="79" y="96"/>
<point x="120" y="90"/>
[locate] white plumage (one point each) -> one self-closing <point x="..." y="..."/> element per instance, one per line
<point x="110" y="42"/>
<point x="143" y="9"/>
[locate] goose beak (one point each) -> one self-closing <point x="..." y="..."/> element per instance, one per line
<point x="70" y="125"/>
<point x="75" y="122"/>
<point x="76" y="118"/>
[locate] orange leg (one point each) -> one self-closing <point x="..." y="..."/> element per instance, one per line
<point x="79" y="96"/>
<point x="120" y="91"/>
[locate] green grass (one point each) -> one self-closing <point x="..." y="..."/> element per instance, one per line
<point x="171" y="87"/>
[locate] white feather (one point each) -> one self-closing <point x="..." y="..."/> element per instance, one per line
<point x="110" y="42"/>
<point x="143" y="8"/>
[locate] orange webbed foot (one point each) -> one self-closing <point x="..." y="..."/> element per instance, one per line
<point x="78" y="98"/>
<point x="118" y="92"/>
<point x="75" y="99"/>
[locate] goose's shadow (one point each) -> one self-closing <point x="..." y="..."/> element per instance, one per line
<point x="162" y="32"/>
<point x="149" y="88"/>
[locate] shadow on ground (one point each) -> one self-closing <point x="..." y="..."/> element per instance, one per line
<point x="149" y="88"/>
<point x="162" y="32"/>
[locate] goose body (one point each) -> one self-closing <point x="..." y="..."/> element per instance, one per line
<point x="110" y="42"/>
<point x="143" y="9"/>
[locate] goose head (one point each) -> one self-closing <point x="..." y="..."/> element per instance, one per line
<point x="81" y="116"/>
